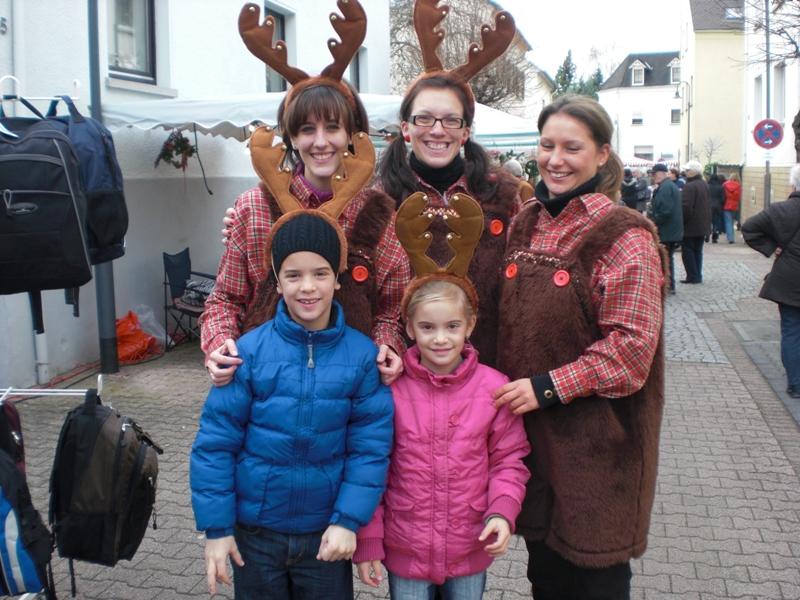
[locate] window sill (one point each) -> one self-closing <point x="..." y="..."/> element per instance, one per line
<point x="144" y="88"/>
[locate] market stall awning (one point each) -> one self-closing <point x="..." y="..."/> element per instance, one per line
<point x="231" y="117"/>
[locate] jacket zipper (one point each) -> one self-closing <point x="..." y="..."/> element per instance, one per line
<point x="310" y="347"/>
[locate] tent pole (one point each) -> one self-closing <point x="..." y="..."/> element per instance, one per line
<point x="104" y="272"/>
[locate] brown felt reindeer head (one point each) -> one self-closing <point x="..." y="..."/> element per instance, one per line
<point x="465" y="221"/>
<point x="428" y="14"/>
<point x="351" y="26"/>
<point x="357" y="167"/>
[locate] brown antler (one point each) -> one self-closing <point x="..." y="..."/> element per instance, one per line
<point x="352" y="29"/>
<point x="411" y="226"/>
<point x="495" y="41"/>
<point x="267" y="160"/>
<point x="427" y="15"/>
<point x="258" y="39"/>
<point x="466" y="229"/>
<point x="358" y="170"/>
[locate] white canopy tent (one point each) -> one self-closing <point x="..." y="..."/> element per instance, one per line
<point x="231" y="117"/>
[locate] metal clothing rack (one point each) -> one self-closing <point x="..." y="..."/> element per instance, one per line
<point x="5" y="393"/>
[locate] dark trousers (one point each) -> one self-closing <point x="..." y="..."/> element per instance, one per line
<point x="692" y="254"/>
<point x="790" y="343"/>
<point x="671" y="247"/>
<point x="555" y="578"/>
<point x="284" y="567"/>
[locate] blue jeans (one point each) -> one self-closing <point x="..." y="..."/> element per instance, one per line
<point x="280" y="566"/>
<point x="469" y="587"/>
<point x="692" y="255"/>
<point x="790" y="342"/>
<point x="729" y="216"/>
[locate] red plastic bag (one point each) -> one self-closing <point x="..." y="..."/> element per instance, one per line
<point x="133" y="344"/>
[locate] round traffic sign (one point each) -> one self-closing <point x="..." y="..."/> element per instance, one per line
<point x="768" y="133"/>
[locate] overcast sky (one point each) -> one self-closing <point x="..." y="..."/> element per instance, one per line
<point x="615" y="28"/>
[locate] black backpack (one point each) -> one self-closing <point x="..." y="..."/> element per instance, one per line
<point x="43" y="242"/>
<point x="103" y="484"/>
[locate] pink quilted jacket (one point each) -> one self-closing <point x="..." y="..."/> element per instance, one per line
<point x="456" y="461"/>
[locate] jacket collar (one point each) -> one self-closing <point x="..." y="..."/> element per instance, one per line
<point x="295" y="333"/>
<point x="416" y="370"/>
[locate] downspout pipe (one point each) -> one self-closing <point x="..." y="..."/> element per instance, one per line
<point x="103" y="272"/>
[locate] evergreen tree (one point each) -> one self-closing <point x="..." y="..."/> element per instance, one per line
<point x="565" y="77"/>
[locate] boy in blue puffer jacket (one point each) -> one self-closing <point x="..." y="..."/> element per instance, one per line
<point x="291" y="457"/>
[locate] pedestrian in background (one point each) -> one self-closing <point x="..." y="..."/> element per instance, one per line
<point x="628" y="189"/>
<point x="667" y="214"/>
<point x="716" y="196"/>
<point x="696" y="221"/>
<point x="730" y="210"/>
<point x="777" y="230"/>
<point x="643" y="192"/>
<point x="677" y="177"/>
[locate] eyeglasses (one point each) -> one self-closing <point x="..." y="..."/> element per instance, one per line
<point x="447" y="122"/>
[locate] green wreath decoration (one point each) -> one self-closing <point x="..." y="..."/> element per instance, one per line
<point x="176" y="150"/>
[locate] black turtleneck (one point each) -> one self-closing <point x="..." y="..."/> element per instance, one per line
<point x="439" y="178"/>
<point x="558" y="203"/>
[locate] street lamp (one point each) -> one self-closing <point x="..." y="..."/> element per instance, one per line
<point x="688" y="97"/>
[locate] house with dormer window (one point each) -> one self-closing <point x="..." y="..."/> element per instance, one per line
<point x="640" y="98"/>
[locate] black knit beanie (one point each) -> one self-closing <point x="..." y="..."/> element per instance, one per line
<point x="306" y="233"/>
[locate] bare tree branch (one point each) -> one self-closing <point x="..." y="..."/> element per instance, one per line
<point x="500" y="85"/>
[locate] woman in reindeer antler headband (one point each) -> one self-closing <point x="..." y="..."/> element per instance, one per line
<point x="318" y="120"/>
<point x="437" y="113"/>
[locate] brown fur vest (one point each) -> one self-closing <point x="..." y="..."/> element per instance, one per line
<point x="485" y="269"/>
<point x="358" y="298"/>
<point x="593" y="461"/>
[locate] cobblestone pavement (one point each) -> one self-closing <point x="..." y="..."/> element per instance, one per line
<point x="726" y="522"/>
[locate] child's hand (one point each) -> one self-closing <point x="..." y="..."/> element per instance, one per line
<point x="370" y="572"/>
<point x="217" y="552"/>
<point x="501" y="527"/>
<point x="390" y="365"/>
<point x="338" y="543"/>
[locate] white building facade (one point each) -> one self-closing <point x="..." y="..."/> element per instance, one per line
<point x="151" y="50"/>
<point x="640" y="97"/>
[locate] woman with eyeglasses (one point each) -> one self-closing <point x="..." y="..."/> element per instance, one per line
<point x="436" y="155"/>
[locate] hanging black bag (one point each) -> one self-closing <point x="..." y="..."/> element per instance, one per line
<point x="43" y="244"/>
<point x="103" y="484"/>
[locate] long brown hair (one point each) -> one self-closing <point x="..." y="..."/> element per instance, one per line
<point x="398" y="178"/>
<point x="589" y="112"/>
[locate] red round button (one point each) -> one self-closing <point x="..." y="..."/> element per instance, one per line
<point x="561" y="278"/>
<point x="496" y="226"/>
<point x="511" y="271"/>
<point x="360" y="274"/>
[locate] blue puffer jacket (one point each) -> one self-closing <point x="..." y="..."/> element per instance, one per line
<point x="300" y="438"/>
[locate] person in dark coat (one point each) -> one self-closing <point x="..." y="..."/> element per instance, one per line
<point x="696" y="221"/>
<point x="629" y="189"/>
<point x="666" y="212"/>
<point x="643" y="193"/>
<point x="716" y="194"/>
<point x="777" y="230"/>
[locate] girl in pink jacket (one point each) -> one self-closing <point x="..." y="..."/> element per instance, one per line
<point x="456" y="480"/>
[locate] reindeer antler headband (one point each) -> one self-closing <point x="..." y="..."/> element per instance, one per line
<point x="465" y="221"/>
<point x="351" y="27"/>
<point x="358" y="170"/>
<point x="494" y="42"/>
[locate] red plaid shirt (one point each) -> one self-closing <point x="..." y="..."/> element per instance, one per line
<point x="626" y="292"/>
<point x="242" y="268"/>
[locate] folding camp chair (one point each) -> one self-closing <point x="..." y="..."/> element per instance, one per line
<point x="181" y="306"/>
